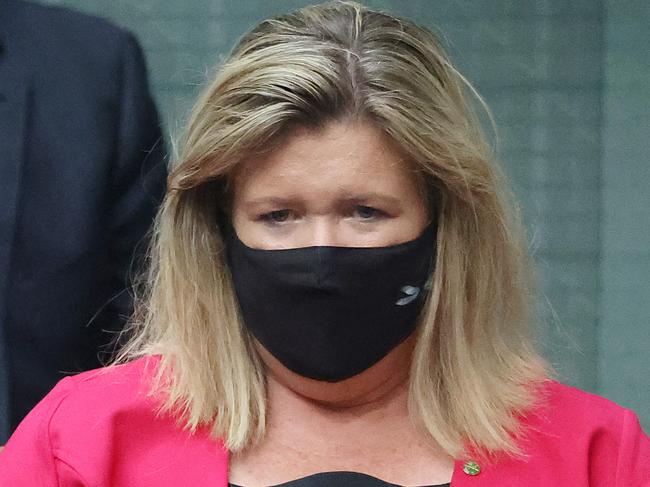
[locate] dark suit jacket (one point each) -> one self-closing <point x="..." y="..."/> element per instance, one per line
<point x="81" y="175"/>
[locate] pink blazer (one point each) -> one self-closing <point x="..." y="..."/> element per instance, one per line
<point x="99" y="429"/>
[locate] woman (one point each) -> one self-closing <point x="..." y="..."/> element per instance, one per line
<point x="337" y="295"/>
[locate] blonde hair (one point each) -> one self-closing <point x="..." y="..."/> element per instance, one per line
<point x="474" y="366"/>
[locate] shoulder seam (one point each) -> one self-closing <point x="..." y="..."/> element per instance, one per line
<point x="63" y="397"/>
<point x="628" y="419"/>
<point x="56" y="472"/>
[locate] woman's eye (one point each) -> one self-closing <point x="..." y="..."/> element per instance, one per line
<point x="366" y="212"/>
<point x="277" y="216"/>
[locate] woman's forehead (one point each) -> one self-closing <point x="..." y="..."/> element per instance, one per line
<point x="349" y="157"/>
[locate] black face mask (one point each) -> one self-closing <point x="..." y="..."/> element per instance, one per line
<point x="329" y="313"/>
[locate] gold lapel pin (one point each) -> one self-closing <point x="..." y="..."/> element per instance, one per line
<point x="471" y="468"/>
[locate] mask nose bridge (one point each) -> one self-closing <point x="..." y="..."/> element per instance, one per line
<point x="324" y="237"/>
<point x="321" y="265"/>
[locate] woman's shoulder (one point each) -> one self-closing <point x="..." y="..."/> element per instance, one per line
<point x="105" y="426"/>
<point x="560" y="405"/>
<point x="97" y="396"/>
<point x="109" y="405"/>
<point x="572" y="437"/>
<point x="107" y="389"/>
<point x="91" y="408"/>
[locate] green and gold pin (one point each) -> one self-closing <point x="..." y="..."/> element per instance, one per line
<point x="471" y="468"/>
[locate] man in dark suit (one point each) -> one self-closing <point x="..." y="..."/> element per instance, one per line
<point x="81" y="175"/>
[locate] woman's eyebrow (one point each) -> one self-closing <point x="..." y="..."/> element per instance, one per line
<point x="290" y="200"/>
<point x="272" y="201"/>
<point x="374" y="196"/>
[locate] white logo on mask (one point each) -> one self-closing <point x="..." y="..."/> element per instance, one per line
<point x="411" y="292"/>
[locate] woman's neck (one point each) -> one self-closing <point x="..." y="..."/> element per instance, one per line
<point x="373" y="436"/>
<point x="390" y="396"/>
<point x="374" y="401"/>
<point x="361" y="424"/>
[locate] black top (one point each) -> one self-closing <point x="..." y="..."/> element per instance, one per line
<point x="340" y="479"/>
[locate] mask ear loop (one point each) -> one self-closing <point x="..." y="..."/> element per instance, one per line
<point x="428" y="285"/>
<point x="434" y="221"/>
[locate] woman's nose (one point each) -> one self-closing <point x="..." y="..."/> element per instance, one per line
<point x="324" y="233"/>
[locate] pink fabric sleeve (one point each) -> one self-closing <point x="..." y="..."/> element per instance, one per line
<point x="633" y="466"/>
<point x="28" y="459"/>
